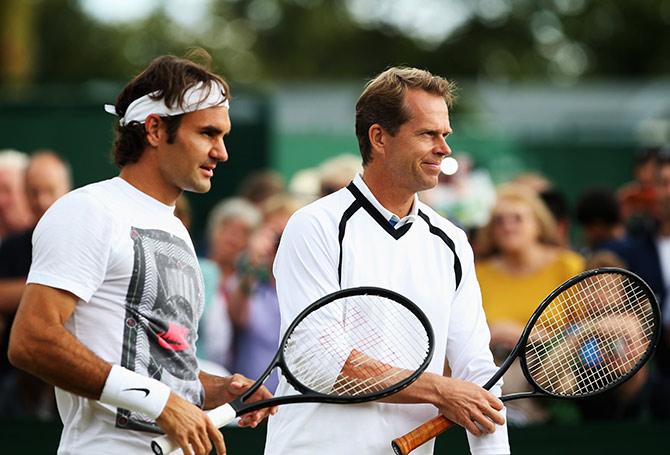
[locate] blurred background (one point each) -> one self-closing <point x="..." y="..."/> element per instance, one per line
<point x="570" y="88"/>
<point x="572" y="91"/>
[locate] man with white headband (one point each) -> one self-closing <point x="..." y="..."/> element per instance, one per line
<point x="114" y="294"/>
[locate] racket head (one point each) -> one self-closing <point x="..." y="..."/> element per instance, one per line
<point x="384" y="327"/>
<point x="590" y="334"/>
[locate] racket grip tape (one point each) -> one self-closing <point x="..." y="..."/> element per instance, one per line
<point x="220" y="416"/>
<point x="420" y="435"/>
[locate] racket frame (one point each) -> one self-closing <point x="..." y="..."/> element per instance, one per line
<point x="405" y="444"/>
<point x="308" y="395"/>
<point x="520" y="349"/>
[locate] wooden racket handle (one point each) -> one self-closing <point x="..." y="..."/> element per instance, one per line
<point x="421" y="434"/>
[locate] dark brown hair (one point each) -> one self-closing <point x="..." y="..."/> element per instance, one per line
<point x="170" y="77"/>
<point x="383" y="101"/>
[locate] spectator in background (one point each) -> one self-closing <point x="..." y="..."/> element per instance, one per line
<point x="553" y="198"/>
<point x="557" y="204"/>
<point x="255" y="311"/>
<point x="46" y="178"/>
<point x="465" y="197"/>
<point x="210" y="278"/>
<point x="261" y="185"/>
<point x="534" y="180"/>
<point x="337" y="172"/>
<point x="332" y="174"/>
<point x="305" y="184"/>
<point x="229" y="227"/>
<point x="15" y="214"/>
<point x="520" y="263"/>
<point x="638" y="198"/>
<point x="627" y="401"/>
<point x="647" y="253"/>
<point x="599" y="215"/>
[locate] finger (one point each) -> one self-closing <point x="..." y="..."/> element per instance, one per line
<point x="207" y="444"/>
<point x="470" y="425"/>
<point x="484" y="423"/>
<point x="245" y="422"/>
<point x="241" y="385"/>
<point x="249" y="420"/>
<point x="265" y="393"/>
<point x="261" y="394"/>
<point x="256" y="417"/>
<point x="236" y="384"/>
<point x="265" y="413"/>
<point x="185" y="447"/>
<point x="497" y="404"/>
<point x="497" y="418"/>
<point x="198" y="444"/>
<point x="216" y="438"/>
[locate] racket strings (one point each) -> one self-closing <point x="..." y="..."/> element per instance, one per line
<point x="591" y="335"/>
<point x="356" y="346"/>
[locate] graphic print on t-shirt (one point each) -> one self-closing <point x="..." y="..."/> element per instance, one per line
<point x="164" y="299"/>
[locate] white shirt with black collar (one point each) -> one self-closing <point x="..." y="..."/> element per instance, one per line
<point x="345" y="240"/>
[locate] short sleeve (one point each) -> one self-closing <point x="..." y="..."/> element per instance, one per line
<point x="71" y="246"/>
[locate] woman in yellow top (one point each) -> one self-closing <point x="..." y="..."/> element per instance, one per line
<point x="519" y="264"/>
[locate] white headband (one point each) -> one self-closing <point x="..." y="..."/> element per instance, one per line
<point x="198" y="97"/>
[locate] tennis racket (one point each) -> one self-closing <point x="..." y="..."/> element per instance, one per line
<point x="351" y="346"/>
<point x="592" y="333"/>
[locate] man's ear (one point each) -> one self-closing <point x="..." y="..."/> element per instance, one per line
<point x="376" y="136"/>
<point x="154" y="129"/>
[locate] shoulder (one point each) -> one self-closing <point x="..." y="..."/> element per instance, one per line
<point x="437" y="221"/>
<point x="570" y="257"/>
<point x="91" y="196"/>
<point x="325" y="212"/>
<point x="82" y="201"/>
<point x="572" y="262"/>
<point x="80" y="210"/>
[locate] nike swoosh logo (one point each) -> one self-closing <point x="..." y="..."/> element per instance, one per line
<point x="146" y="391"/>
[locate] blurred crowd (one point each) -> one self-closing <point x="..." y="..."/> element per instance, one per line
<point x="526" y="236"/>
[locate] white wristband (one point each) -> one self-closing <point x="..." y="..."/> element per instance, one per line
<point x="129" y="390"/>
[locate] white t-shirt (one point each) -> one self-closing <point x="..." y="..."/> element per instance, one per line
<point x="132" y="264"/>
<point x="663" y="247"/>
<point x="345" y="240"/>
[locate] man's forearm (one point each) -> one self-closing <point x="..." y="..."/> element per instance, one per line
<point x="60" y="359"/>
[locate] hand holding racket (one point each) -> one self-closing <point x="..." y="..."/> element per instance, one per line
<point x="592" y="333"/>
<point x="351" y="346"/>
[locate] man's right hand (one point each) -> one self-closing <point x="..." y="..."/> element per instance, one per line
<point x="469" y="405"/>
<point x="189" y="427"/>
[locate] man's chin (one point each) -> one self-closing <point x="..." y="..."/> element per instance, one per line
<point x="429" y="183"/>
<point x="199" y="188"/>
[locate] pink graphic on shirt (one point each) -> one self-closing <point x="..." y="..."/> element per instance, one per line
<point x="175" y="338"/>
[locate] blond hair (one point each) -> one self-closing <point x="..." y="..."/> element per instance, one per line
<point x="548" y="234"/>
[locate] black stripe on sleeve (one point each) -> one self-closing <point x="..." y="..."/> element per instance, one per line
<point x="458" y="271"/>
<point x="342" y="227"/>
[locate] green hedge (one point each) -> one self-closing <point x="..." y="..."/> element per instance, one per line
<point x="27" y="437"/>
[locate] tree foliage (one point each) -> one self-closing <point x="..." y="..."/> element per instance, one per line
<point x="257" y="40"/>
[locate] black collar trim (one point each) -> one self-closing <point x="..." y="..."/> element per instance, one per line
<point x="374" y="213"/>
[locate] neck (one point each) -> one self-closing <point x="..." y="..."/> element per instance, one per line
<point x="147" y="179"/>
<point x="393" y="198"/>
